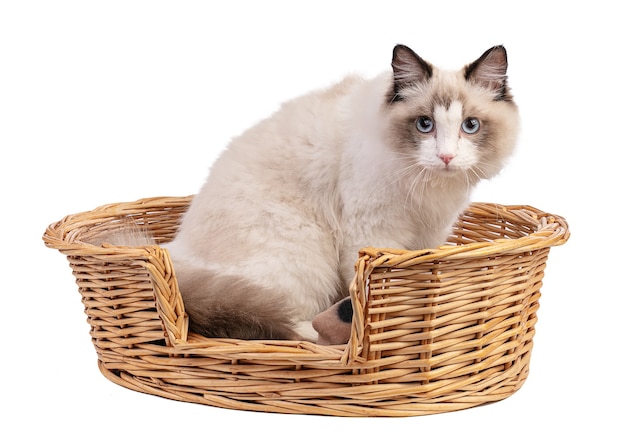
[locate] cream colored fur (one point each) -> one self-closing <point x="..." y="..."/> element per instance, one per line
<point x="289" y="203"/>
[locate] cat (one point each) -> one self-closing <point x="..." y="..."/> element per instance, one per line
<point x="271" y="238"/>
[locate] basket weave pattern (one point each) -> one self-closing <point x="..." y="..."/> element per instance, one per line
<point x="433" y="330"/>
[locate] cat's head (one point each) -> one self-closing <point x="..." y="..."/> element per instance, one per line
<point x="453" y="124"/>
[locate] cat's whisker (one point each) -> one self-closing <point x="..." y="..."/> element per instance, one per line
<point x="395" y="176"/>
<point x="414" y="184"/>
<point x="474" y="171"/>
<point x="485" y="170"/>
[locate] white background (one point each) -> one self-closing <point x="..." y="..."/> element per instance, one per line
<point x="105" y="102"/>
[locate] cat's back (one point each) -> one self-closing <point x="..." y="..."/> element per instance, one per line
<point x="310" y="122"/>
<point x="299" y="146"/>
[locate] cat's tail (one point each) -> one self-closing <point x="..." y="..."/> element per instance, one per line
<point x="228" y="306"/>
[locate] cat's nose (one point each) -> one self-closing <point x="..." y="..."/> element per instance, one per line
<point x="446" y="158"/>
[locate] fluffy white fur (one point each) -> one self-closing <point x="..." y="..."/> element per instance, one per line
<point x="290" y="202"/>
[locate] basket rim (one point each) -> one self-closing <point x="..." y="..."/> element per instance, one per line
<point x="550" y="230"/>
<point x="59" y="235"/>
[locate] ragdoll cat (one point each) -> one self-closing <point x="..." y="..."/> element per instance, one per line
<point x="271" y="239"/>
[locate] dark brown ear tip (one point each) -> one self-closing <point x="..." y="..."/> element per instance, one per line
<point x="500" y="49"/>
<point x="401" y="51"/>
<point x="399" y="47"/>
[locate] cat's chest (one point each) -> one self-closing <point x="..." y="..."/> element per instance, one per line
<point x="401" y="221"/>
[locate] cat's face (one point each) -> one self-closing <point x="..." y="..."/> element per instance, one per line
<point x="460" y="125"/>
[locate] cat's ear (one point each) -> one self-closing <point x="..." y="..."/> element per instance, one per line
<point x="408" y="69"/>
<point x="489" y="71"/>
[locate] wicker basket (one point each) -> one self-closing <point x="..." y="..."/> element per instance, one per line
<point x="433" y="330"/>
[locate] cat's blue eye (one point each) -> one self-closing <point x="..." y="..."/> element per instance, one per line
<point x="471" y="125"/>
<point x="424" y="124"/>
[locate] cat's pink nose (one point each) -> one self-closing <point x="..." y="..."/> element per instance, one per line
<point x="446" y="158"/>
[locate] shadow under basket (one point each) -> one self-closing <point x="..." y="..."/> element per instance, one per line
<point x="433" y="330"/>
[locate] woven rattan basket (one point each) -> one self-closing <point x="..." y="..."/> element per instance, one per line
<point x="433" y="330"/>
